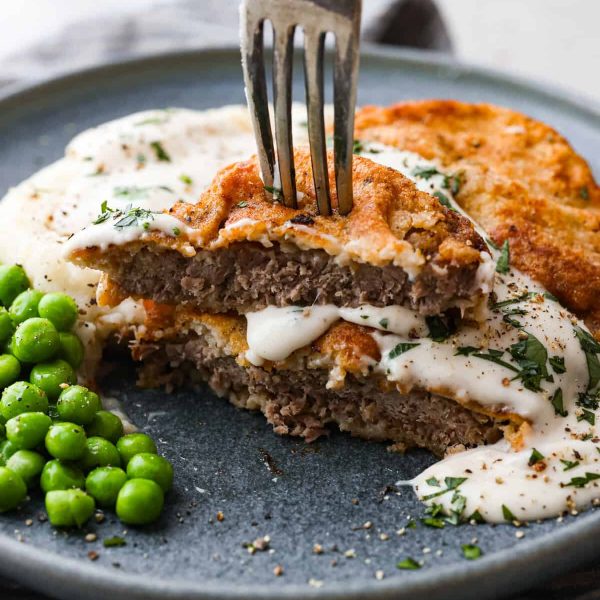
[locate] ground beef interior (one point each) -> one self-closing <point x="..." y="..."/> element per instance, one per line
<point x="247" y="277"/>
<point x="297" y="402"/>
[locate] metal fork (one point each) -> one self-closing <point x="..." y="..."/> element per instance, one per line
<point x="316" y="18"/>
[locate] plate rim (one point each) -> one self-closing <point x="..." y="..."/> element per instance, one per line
<point x="29" y="564"/>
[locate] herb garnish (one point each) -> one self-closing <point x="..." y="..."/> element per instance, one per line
<point x="494" y="355"/>
<point x="444" y="201"/>
<point x="454" y="182"/>
<point x="531" y="355"/>
<point x="426" y="172"/>
<point x="433" y="482"/>
<point x="584" y="193"/>
<point x="557" y="402"/>
<point x="160" y="152"/>
<point x="580" y="482"/>
<point x="587" y="415"/>
<point x="476" y="516"/>
<point x="242" y="204"/>
<point x="186" y="179"/>
<point x="466" y="350"/>
<point x="113" y="542"/>
<point x="132" y="215"/>
<point x="433" y="522"/>
<point x="408" y="563"/>
<point x="503" y="264"/>
<point x="471" y="551"/>
<point x="137" y="193"/>
<point x="357" y="147"/>
<point x="535" y="457"/>
<point x="105" y="212"/>
<point x="569" y="464"/>
<point x="384" y="323"/>
<point x="591" y="348"/>
<point x="507" y="513"/>
<point x="558" y="364"/>
<point x="277" y="192"/>
<point x="451" y="484"/>
<point x="401" y="348"/>
<point x="440" y="328"/>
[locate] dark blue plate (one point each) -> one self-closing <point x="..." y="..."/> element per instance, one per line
<point x="230" y="461"/>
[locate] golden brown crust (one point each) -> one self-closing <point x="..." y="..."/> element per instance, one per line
<point x="521" y="180"/>
<point x="391" y="222"/>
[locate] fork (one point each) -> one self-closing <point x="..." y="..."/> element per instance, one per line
<point x="316" y="18"/>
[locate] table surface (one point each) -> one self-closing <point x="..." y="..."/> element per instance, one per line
<point x="127" y="33"/>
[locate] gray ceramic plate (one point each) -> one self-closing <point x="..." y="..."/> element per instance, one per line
<point x="321" y="493"/>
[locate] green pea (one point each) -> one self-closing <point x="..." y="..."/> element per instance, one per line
<point x="151" y="466"/>
<point x="140" y="501"/>
<point x="51" y="376"/>
<point x="57" y="475"/>
<point x="21" y="397"/>
<point x="100" y="453"/>
<point x="10" y="369"/>
<point x="25" y="306"/>
<point x="35" y="340"/>
<point x="135" y="443"/>
<point x="105" y="425"/>
<point x="7" y="327"/>
<point x="28" y="430"/>
<point x="28" y="464"/>
<point x="13" y="281"/>
<point x="12" y="489"/>
<point x="7" y="449"/>
<point x="69" y="508"/>
<point x="66" y="441"/>
<point x="60" y="309"/>
<point x="71" y="349"/>
<point x="104" y="484"/>
<point x="77" y="404"/>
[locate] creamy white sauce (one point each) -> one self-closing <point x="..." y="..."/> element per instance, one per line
<point x="479" y="363"/>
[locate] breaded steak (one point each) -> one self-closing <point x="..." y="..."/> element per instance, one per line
<point x="521" y="180"/>
<point x="240" y="251"/>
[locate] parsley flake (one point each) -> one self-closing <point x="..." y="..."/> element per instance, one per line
<point x="471" y="551"/>
<point x="507" y="513"/>
<point x="557" y="403"/>
<point x="409" y="564"/>
<point x="503" y="264"/>
<point x="535" y="457"/>
<point x="384" y="323"/>
<point x="161" y="154"/>
<point x="569" y="464"/>
<point x="580" y="482"/>
<point x="401" y="348"/>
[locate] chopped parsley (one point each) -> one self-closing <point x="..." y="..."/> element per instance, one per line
<point x="569" y="464"/>
<point x="476" y="517"/>
<point x="503" y="264"/>
<point x="440" y="328"/>
<point x="444" y="201"/>
<point x="591" y="348"/>
<point x="242" y="204"/>
<point x="426" y="172"/>
<point x="507" y="513"/>
<point x="558" y="364"/>
<point x="137" y="193"/>
<point x="452" y="483"/>
<point x="357" y="147"/>
<point x="466" y="350"/>
<point x="471" y="551"/>
<point x="160" y="152"/>
<point x="409" y="564"/>
<point x="176" y="231"/>
<point x="105" y="213"/>
<point x="580" y="482"/>
<point x="384" y="323"/>
<point x="535" y="457"/>
<point x="113" y="542"/>
<point x="494" y="356"/>
<point x="587" y="415"/>
<point x="401" y="348"/>
<point x="130" y="215"/>
<point x="186" y="179"/>
<point x="277" y="192"/>
<point x="531" y="355"/>
<point x="454" y="182"/>
<point x="434" y="522"/>
<point x="433" y="482"/>
<point x="584" y="193"/>
<point x="557" y="403"/>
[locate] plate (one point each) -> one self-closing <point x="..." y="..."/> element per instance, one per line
<point x="339" y="492"/>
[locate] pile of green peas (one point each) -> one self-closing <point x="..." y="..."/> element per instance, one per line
<point x="53" y="432"/>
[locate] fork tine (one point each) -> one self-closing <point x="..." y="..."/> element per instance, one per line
<point x="313" y="67"/>
<point x="346" y="71"/>
<point x="282" y="69"/>
<point x="252" y="45"/>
